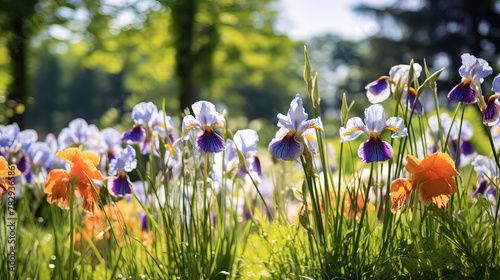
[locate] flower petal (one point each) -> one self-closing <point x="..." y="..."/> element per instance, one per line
<point x="353" y="129"/>
<point x="482" y="187"/>
<point x="463" y="92"/>
<point x="438" y="165"/>
<point x="400" y="190"/>
<point x="496" y="84"/>
<point x="375" y="118"/>
<point x="246" y="141"/>
<point x="134" y="135"/>
<point x="378" y="90"/>
<point x="492" y="111"/>
<point x="474" y="68"/>
<point x="436" y="191"/>
<point x="210" y="142"/>
<point x="413" y="164"/>
<point x="306" y="125"/>
<point x="57" y="188"/>
<point x="396" y="124"/>
<point x="411" y="96"/>
<point x="120" y="186"/>
<point x="286" y="148"/>
<point x="375" y="150"/>
<point x="187" y="123"/>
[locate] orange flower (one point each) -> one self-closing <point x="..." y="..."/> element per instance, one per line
<point x="349" y="213"/>
<point x="7" y="171"/>
<point x="58" y="186"/>
<point x="434" y="178"/>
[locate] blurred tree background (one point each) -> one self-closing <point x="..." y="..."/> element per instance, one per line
<point x="96" y="59"/>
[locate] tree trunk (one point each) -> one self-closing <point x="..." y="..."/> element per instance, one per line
<point x="18" y="89"/>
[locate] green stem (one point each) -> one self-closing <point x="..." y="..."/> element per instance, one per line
<point x="72" y="227"/>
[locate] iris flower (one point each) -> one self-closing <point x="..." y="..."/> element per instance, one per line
<point x="148" y="122"/>
<point x="487" y="172"/>
<point x="57" y="186"/>
<point x="80" y="133"/>
<point x="492" y="111"/>
<point x="374" y="149"/>
<point x="380" y="89"/>
<point x="125" y="162"/>
<point x="467" y="151"/>
<point x="246" y="141"/>
<point x="9" y="140"/>
<point x="295" y="129"/>
<point x="473" y="71"/>
<point x="205" y="118"/>
<point x="433" y="176"/>
<point x="409" y="97"/>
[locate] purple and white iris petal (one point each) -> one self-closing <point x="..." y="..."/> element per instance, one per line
<point x="482" y="187"/>
<point x="210" y="142"/>
<point x="286" y="148"/>
<point x="496" y="84"/>
<point x="125" y="162"/>
<point x="27" y="137"/>
<point x="492" y="111"/>
<point x="120" y="186"/>
<point x="246" y="141"/>
<point x="310" y="124"/>
<point x="375" y="118"/>
<point x="474" y="68"/>
<point x="463" y="92"/>
<point x="410" y="97"/>
<point x="353" y="129"/>
<point x="253" y="165"/>
<point x="134" y="135"/>
<point x="143" y="113"/>
<point x="375" y="150"/>
<point x="396" y="125"/>
<point x="378" y="90"/>
<point x="188" y="123"/>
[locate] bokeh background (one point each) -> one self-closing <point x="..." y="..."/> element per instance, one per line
<point x="96" y="59"/>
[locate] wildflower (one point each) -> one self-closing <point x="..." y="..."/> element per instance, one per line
<point x="9" y="142"/>
<point x="112" y="141"/>
<point x="433" y="176"/>
<point x="380" y="89"/>
<point x="409" y="97"/>
<point x="473" y="71"/>
<point x="246" y="141"/>
<point x="125" y="162"/>
<point x="80" y="134"/>
<point x="7" y="171"/>
<point x="487" y="173"/>
<point x="467" y="151"/>
<point x="58" y="182"/>
<point x="374" y="149"/>
<point x="148" y="122"/>
<point x="205" y="119"/>
<point x="289" y="142"/>
<point x="492" y="110"/>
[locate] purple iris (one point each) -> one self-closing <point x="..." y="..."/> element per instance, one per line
<point x="374" y="149"/>
<point x="409" y="97"/>
<point x="205" y="118"/>
<point x="492" y="111"/>
<point x="467" y="151"/>
<point x="246" y="141"/>
<point x="125" y="162"/>
<point x="80" y="133"/>
<point x="9" y="140"/>
<point x="487" y="170"/>
<point x="112" y="140"/>
<point x="290" y="140"/>
<point x="148" y="122"/>
<point x="380" y="89"/>
<point x="473" y="71"/>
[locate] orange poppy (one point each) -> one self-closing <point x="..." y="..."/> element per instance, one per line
<point x="57" y="186"/>
<point x="434" y="178"/>
<point x="7" y="171"/>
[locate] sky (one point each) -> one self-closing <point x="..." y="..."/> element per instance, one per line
<point x="303" y="19"/>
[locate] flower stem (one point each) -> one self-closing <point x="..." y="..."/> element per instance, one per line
<point x="72" y="228"/>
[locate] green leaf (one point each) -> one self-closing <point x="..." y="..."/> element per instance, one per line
<point x="430" y="81"/>
<point x="307" y="68"/>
